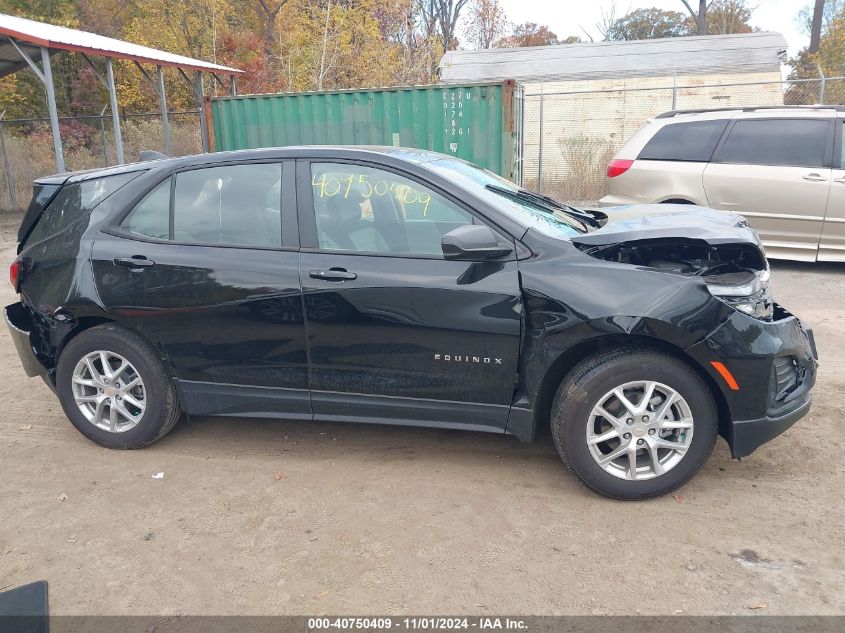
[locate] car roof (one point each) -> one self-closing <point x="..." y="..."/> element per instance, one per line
<point x="804" y="109"/>
<point x="407" y="154"/>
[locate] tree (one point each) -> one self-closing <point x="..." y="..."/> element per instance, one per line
<point x="646" y="24"/>
<point x="816" y="28"/>
<point x="529" y="34"/>
<point x="701" y="25"/>
<point x="486" y="22"/>
<point x="269" y="12"/>
<point x="830" y="56"/>
<point x="729" y="16"/>
<point x="443" y="15"/>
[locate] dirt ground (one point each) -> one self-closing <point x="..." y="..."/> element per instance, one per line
<point x="285" y="517"/>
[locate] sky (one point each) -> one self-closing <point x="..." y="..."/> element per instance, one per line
<point x="567" y="17"/>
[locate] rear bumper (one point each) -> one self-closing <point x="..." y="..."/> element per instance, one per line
<point x="19" y="322"/>
<point x="775" y="365"/>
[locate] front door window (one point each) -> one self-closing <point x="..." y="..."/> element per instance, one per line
<point x="363" y="209"/>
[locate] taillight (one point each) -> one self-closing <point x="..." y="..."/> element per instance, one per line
<point x="15" y="274"/>
<point x="617" y="167"/>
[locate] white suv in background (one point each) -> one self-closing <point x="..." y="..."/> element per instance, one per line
<point x="782" y="167"/>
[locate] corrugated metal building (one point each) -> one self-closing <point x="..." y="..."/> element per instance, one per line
<point x="596" y="95"/>
<point x="746" y="53"/>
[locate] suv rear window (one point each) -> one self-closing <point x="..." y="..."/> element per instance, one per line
<point x="692" y="142"/>
<point x="74" y="201"/>
<point x="777" y="142"/>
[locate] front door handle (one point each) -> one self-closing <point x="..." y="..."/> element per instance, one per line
<point x="333" y="274"/>
<point x="136" y="262"/>
<point x="815" y="178"/>
<point x="840" y="180"/>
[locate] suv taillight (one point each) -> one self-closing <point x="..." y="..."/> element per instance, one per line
<point x="15" y="274"/>
<point x="617" y="167"/>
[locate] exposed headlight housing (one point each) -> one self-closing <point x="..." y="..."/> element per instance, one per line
<point x="750" y="297"/>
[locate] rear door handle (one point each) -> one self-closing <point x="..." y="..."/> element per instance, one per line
<point x="136" y="262"/>
<point x="815" y="178"/>
<point x="840" y="180"/>
<point x="333" y="274"/>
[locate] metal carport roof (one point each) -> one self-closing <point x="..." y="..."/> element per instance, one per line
<point x="32" y="36"/>
<point x="23" y="42"/>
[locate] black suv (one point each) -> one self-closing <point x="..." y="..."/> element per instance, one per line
<point x="399" y="286"/>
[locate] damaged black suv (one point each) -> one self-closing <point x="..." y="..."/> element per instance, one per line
<point x="397" y="286"/>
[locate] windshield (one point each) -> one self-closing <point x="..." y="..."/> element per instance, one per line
<point x="506" y="197"/>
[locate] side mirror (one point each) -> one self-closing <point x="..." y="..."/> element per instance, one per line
<point x="473" y="242"/>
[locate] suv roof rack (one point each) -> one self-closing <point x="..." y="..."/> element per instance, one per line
<point x="671" y="113"/>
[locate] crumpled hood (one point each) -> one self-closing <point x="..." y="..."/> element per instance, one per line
<point x="661" y="221"/>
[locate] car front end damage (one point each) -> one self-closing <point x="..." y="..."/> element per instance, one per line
<point x="761" y="357"/>
<point x="766" y="369"/>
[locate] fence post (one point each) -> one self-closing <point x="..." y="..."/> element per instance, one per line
<point x="9" y="183"/>
<point x="203" y="119"/>
<point x="540" y="150"/>
<point x="103" y="136"/>
<point x="821" y="84"/>
<point x="115" y="115"/>
<point x="165" y="122"/>
<point x="674" y="90"/>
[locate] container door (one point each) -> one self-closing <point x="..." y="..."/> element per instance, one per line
<point x="396" y="332"/>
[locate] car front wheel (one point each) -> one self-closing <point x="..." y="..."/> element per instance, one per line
<point x="114" y="389"/>
<point x="634" y="424"/>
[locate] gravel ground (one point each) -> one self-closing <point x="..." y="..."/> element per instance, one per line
<point x="297" y="518"/>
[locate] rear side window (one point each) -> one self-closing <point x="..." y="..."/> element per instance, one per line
<point x="151" y="216"/>
<point x="74" y="202"/>
<point x="692" y="142"/>
<point x="235" y="205"/>
<point x="776" y="142"/>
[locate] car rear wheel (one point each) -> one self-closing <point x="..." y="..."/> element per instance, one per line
<point x="115" y="390"/>
<point x="634" y="424"/>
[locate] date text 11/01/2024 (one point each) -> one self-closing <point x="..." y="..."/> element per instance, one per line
<point x="417" y="623"/>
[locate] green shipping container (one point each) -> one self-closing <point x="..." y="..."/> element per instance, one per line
<point x="479" y="123"/>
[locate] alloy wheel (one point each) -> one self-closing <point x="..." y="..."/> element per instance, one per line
<point x="109" y="391"/>
<point x="639" y="430"/>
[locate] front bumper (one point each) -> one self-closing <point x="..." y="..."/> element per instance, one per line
<point x="21" y="327"/>
<point x="775" y="365"/>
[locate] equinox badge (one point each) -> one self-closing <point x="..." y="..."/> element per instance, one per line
<point x="461" y="358"/>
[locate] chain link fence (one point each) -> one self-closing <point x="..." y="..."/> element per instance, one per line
<point x="571" y="136"/>
<point x="26" y="146"/>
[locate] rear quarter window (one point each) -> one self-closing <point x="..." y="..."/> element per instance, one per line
<point x="74" y="202"/>
<point x="777" y="142"/>
<point x="694" y="141"/>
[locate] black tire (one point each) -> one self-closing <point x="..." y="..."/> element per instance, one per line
<point x="596" y="376"/>
<point x="162" y="405"/>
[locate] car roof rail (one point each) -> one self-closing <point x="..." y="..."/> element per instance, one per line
<point x="672" y="113"/>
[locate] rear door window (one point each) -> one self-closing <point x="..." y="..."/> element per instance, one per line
<point x="776" y="142"/>
<point x="75" y="201"/>
<point x="693" y="142"/>
<point x="841" y="144"/>
<point x="236" y="205"/>
<point x="233" y="205"/>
